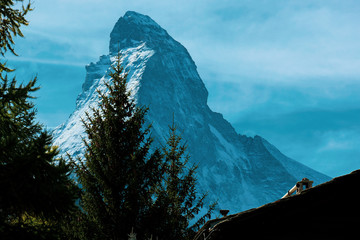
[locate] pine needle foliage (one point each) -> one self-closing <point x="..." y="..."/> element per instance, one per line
<point x="33" y="181"/>
<point x="35" y="185"/>
<point x="11" y="19"/>
<point x="32" y="178"/>
<point x="120" y="173"/>
<point x="126" y="186"/>
<point x="177" y="201"/>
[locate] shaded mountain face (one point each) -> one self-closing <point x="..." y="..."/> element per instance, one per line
<point x="239" y="171"/>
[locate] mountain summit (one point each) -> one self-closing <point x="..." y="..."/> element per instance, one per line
<point x="240" y="172"/>
<point x="133" y="28"/>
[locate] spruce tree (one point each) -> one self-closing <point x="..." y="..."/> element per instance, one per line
<point x="126" y="187"/>
<point x="119" y="173"/>
<point x="177" y="202"/>
<point x="35" y="189"/>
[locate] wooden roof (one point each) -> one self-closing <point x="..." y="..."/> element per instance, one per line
<point x="328" y="211"/>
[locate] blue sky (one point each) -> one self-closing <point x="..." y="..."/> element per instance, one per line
<point x="285" y="70"/>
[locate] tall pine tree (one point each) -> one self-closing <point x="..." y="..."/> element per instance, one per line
<point x="120" y="173"/>
<point x="177" y="202"/>
<point x="34" y="184"/>
<point x="126" y="186"/>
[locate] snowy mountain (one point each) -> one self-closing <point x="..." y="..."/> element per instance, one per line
<point x="240" y="172"/>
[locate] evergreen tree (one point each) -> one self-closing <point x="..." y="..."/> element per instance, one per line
<point x="119" y="174"/>
<point x="177" y="202"/>
<point x="11" y="19"/>
<point x="125" y="187"/>
<point x="35" y="189"/>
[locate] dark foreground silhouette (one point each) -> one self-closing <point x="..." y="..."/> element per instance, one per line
<point x="328" y="211"/>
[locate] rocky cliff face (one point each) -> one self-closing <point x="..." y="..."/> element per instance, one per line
<point x="239" y="171"/>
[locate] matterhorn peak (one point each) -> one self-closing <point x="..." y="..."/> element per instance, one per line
<point x="134" y="28"/>
<point x="139" y="19"/>
<point x="240" y="172"/>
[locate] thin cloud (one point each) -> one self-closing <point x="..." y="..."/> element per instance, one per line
<point x="283" y="40"/>
<point x="45" y="61"/>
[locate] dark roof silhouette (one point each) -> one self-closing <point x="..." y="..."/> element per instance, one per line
<point x="328" y="211"/>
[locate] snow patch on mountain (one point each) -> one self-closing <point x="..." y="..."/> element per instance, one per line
<point x="69" y="136"/>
